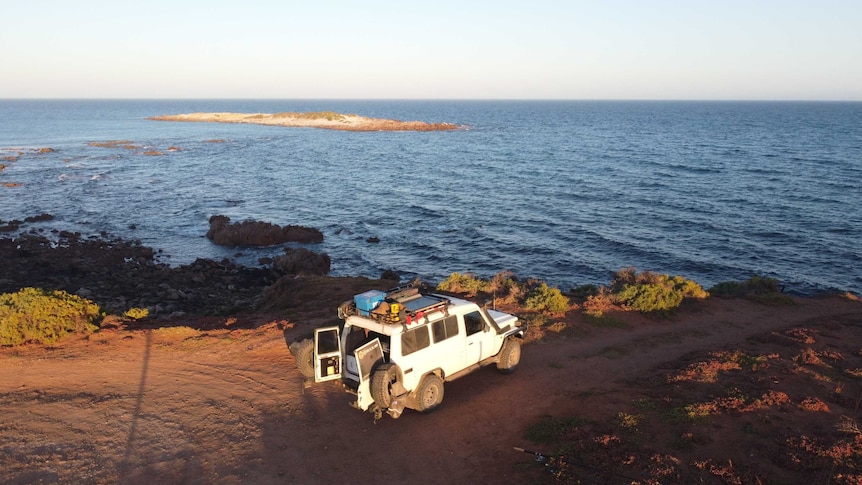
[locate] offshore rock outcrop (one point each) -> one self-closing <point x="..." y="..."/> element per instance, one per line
<point x="14" y="225"/>
<point x="323" y="119"/>
<point x="256" y="233"/>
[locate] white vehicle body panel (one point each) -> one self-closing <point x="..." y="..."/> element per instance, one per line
<point x="442" y="335"/>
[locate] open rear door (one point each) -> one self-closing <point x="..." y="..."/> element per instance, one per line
<point x="327" y="354"/>
<point x="367" y="358"/>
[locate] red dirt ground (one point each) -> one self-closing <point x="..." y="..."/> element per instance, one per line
<point x="226" y="404"/>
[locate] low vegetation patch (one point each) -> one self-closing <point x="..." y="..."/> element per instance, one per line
<point x="645" y="292"/>
<point x="544" y="298"/>
<point x="757" y="288"/>
<point x="630" y="290"/>
<point x="136" y="313"/>
<point x="34" y="315"/>
<point x="650" y="292"/>
<point x="313" y="115"/>
<point x="532" y="295"/>
<point x="467" y="284"/>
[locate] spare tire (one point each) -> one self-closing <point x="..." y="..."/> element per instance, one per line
<point x="381" y="384"/>
<point x="303" y="353"/>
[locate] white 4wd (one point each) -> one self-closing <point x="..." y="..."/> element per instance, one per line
<point x="398" y="348"/>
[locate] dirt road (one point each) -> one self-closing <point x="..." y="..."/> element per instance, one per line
<point x="176" y="405"/>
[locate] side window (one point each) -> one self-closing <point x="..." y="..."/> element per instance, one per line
<point x="445" y="328"/>
<point x="413" y="340"/>
<point x="327" y="342"/>
<point x="473" y="323"/>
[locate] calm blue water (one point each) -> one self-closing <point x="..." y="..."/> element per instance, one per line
<point x="563" y="191"/>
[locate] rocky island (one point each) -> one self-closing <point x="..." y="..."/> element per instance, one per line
<point x="319" y="119"/>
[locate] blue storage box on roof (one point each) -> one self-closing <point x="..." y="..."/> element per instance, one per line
<point x="365" y="302"/>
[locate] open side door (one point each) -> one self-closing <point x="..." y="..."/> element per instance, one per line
<point x="327" y="354"/>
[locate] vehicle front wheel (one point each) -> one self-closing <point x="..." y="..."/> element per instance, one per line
<point x="430" y="393"/>
<point x="510" y="356"/>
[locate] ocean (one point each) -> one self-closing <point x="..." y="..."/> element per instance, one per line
<point x="564" y="191"/>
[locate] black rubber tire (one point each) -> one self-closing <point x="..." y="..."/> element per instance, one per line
<point x="381" y="384"/>
<point x="430" y="393"/>
<point x="510" y="356"/>
<point x="303" y="352"/>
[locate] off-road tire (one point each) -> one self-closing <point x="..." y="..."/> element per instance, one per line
<point x="381" y="384"/>
<point x="510" y="356"/>
<point x="430" y="393"/>
<point x="303" y="353"/>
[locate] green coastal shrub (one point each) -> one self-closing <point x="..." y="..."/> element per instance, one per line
<point x="756" y="285"/>
<point x="532" y="294"/>
<point x="502" y="282"/>
<point x="757" y="288"/>
<point x="34" y="315"/>
<point x="597" y="304"/>
<point x="584" y="291"/>
<point x="650" y="292"/>
<point x="137" y="313"/>
<point x="648" y="298"/>
<point x="688" y="288"/>
<point x="546" y="299"/>
<point x="466" y="283"/>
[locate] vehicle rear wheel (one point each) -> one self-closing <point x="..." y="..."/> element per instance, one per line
<point x="430" y="393"/>
<point x="382" y="380"/>
<point x="303" y="353"/>
<point x="510" y="356"/>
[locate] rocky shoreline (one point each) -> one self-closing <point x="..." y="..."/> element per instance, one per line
<point x="119" y="275"/>
<point x="326" y="120"/>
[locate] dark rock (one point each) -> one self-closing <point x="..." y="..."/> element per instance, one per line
<point x="39" y="218"/>
<point x="256" y="233"/>
<point x="390" y="275"/>
<point x="119" y="275"/>
<point x="302" y="261"/>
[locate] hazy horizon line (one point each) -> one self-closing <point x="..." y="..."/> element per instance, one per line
<point x="717" y="100"/>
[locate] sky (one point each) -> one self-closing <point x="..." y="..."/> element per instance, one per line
<point x="378" y="49"/>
